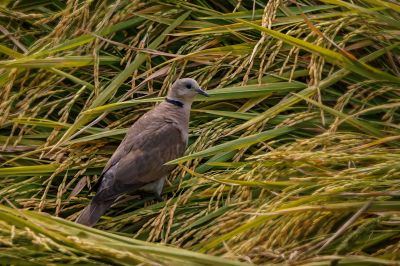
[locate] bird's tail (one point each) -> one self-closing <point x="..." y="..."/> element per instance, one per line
<point x="92" y="213"/>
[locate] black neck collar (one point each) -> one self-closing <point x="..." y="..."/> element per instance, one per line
<point x="174" y="102"/>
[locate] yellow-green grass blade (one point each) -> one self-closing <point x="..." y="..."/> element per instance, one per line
<point x="276" y="109"/>
<point x="216" y="29"/>
<point x="71" y="77"/>
<point x="250" y="14"/>
<point x="218" y="158"/>
<point x="348" y="5"/>
<point x="229" y="93"/>
<point x="237" y="115"/>
<point x="10" y="52"/>
<point x="251" y="91"/>
<point x="350" y="260"/>
<point x="226" y="164"/>
<point x="274" y="185"/>
<point x="49" y="124"/>
<point x="40" y="122"/>
<point x="207" y="218"/>
<point x="387" y="4"/>
<point x="235" y="144"/>
<point x="186" y="24"/>
<point x="25" y="141"/>
<point x="29" y="170"/>
<point x="26" y="155"/>
<point x="235" y="49"/>
<point x="120" y="105"/>
<point x="106" y="134"/>
<point x="279" y="21"/>
<point x="363" y="126"/>
<point x="57" y="62"/>
<point x="385" y="18"/>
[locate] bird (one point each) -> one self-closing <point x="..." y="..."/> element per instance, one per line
<point x="138" y="164"/>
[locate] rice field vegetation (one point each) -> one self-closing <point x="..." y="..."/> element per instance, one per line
<point x="294" y="159"/>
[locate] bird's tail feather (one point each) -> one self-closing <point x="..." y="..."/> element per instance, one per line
<point x="92" y="213"/>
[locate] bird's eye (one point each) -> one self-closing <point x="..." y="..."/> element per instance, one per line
<point x="188" y="86"/>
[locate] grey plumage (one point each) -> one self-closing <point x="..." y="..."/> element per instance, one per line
<point x="138" y="163"/>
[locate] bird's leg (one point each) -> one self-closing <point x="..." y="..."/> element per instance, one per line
<point x="155" y="195"/>
<point x="154" y="188"/>
<point x="143" y="194"/>
<point x="158" y="197"/>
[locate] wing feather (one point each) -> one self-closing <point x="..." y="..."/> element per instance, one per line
<point x="140" y="158"/>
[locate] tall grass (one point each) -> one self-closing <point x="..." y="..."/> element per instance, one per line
<point x="293" y="159"/>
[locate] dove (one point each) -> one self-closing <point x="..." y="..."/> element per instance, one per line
<point x="138" y="164"/>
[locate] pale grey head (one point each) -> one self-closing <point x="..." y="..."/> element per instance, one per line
<point x="185" y="90"/>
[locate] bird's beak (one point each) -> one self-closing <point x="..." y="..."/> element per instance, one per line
<point x="202" y="92"/>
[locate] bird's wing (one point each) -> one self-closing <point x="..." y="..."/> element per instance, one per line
<point x="136" y="132"/>
<point x="142" y="160"/>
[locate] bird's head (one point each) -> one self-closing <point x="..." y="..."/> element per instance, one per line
<point x="185" y="90"/>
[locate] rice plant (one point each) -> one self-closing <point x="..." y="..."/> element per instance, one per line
<point x="294" y="159"/>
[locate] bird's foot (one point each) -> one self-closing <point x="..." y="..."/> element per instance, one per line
<point x="155" y="196"/>
<point x="158" y="198"/>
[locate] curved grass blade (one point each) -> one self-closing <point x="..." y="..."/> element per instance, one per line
<point x="363" y="126"/>
<point x="229" y="93"/>
<point x="70" y="61"/>
<point x="235" y="144"/>
<point x="29" y="170"/>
